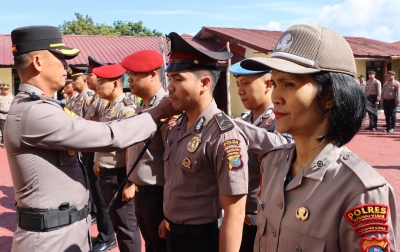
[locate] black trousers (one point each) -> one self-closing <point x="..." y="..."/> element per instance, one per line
<point x="248" y="238"/>
<point x="2" y="122"/>
<point x="149" y="214"/>
<point x="193" y="238"/>
<point x="389" y="107"/>
<point x="122" y="213"/>
<point x="104" y="225"/>
<point x="372" y="110"/>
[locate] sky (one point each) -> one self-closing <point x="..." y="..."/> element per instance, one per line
<point x="376" y="19"/>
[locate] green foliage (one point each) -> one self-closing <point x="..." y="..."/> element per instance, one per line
<point x="85" y="26"/>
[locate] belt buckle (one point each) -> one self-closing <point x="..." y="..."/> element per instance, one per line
<point x="167" y="226"/>
<point x="136" y="188"/>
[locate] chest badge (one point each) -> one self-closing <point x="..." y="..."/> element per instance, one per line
<point x="70" y="153"/>
<point x="186" y="163"/>
<point x="193" y="144"/>
<point x="268" y="122"/>
<point x="302" y="213"/>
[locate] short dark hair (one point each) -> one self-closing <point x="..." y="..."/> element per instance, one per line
<point x="350" y="105"/>
<point x="200" y="72"/>
<point x="21" y="61"/>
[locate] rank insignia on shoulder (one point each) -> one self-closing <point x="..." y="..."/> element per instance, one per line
<point x="112" y="111"/>
<point x="193" y="144"/>
<point x="129" y="113"/>
<point x="152" y="101"/>
<point x="128" y="102"/>
<point x="367" y="212"/>
<point x="199" y="125"/>
<point x="223" y="121"/>
<point x="186" y="163"/>
<point x="375" y="244"/>
<point x="372" y="228"/>
<point x="302" y="213"/>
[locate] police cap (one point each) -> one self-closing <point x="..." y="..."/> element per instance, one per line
<point x="34" y="38"/>
<point x="76" y="71"/>
<point x="183" y="55"/>
<point x="92" y="63"/>
<point x="237" y="70"/>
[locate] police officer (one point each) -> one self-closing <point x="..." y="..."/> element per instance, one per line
<point x="51" y="188"/>
<point x="254" y="90"/>
<point x="99" y="211"/>
<point x="5" y="103"/>
<point x="391" y="98"/>
<point x="85" y="95"/>
<point x="111" y="166"/>
<point x="69" y="91"/>
<point x="205" y="158"/>
<point x="373" y="90"/>
<point x="147" y="179"/>
<point x="317" y="195"/>
<point x="362" y="82"/>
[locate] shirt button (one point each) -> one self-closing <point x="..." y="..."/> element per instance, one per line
<point x="346" y="157"/>
<point x="273" y="234"/>
<point x="297" y="249"/>
<point x="280" y="205"/>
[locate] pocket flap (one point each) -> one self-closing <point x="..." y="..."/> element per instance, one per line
<point x="291" y="240"/>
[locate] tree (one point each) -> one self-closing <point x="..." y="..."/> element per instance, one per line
<point x="85" y="26"/>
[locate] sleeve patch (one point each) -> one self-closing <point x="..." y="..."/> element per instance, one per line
<point x="372" y="228"/>
<point x="375" y="244"/>
<point x="367" y="212"/>
<point x="88" y="102"/>
<point x="233" y="152"/>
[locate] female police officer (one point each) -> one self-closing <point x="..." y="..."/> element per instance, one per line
<point x="316" y="194"/>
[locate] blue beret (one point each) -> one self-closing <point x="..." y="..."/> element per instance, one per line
<point x="237" y="70"/>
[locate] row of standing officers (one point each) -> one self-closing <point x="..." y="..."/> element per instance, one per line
<point x="200" y="161"/>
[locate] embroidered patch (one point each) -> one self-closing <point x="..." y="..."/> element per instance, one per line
<point x="367" y="212"/>
<point x="268" y="122"/>
<point x="233" y="152"/>
<point x="129" y="113"/>
<point x="285" y="42"/>
<point x="88" y="102"/>
<point x="172" y="121"/>
<point x="372" y="228"/>
<point x="375" y="244"/>
<point x="302" y="213"/>
<point x="193" y="144"/>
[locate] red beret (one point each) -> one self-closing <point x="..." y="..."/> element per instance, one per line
<point x="143" y="61"/>
<point x="109" y="72"/>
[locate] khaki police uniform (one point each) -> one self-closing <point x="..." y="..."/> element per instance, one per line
<point x="5" y="104"/>
<point x="42" y="141"/>
<point x="337" y="203"/>
<point x="112" y="173"/>
<point x="201" y="163"/>
<point x="373" y="91"/>
<point x="95" y="108"/>
<point x="69" y="102"/>
<point x="82" y="102"/>
<point x="390" y="96"/>
<point x="148" y="178"/>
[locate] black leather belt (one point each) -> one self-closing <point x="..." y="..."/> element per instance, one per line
<point x="144" y="189"/>
<point x="112" y="171"/>
<point x="190" y="229"/>
<point x="48" y="220"/>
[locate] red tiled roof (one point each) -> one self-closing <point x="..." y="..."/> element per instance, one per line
<point x="396" y="43"/>
<point x="110" y="49"/>
<point x="264" y="41"/>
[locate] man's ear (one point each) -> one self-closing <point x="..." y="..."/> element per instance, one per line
<point x="37" y="60"/>
<point x="206" y="82"/>
<point x="153" y="75"/>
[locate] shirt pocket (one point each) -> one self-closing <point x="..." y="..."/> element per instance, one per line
<point x="192" y="170"/>
<point x="291" y="240"/>
<point x="68" y="157"/>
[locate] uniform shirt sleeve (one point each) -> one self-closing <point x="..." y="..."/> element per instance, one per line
<point x="230" y="152"/>
<point x="260" y="140"/>
<point x="370" y="220"/>
<point x="378" y="90"/>
<point x="46" y="125"/>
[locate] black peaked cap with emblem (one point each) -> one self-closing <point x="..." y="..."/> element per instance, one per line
<point x="183" y="55"/>
<point x="35" y="38"/>
<point x="93" y="63"/>
<point x="77" y="71"/>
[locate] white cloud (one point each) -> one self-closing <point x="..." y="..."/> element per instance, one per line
<point x="271" y="26"/>
<point x="371" y="19"/>
<point x="163" y="12"/>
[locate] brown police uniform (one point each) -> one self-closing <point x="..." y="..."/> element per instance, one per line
<point x="337" y="203"/>
<point x="373" y="90"/>
<point x="69" y="102"/>
<point x="112" y="173"/>
<point x="42" y="141"/>
<point x="5" y="104"/>
<point x="82" y="102"/>
<point x="95" y="108"/>
<point x="390" y="96"/>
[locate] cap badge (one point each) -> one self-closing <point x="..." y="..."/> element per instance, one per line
<point x="285" y="42"/>
<point x="14" y="48"/>
<point x="302" y="213"/>
<point x="196" y="62"/>
<point x="193" y="144"/>
<point x="186" y="163"/>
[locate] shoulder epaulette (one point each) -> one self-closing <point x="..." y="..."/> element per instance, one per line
<point x="224" y="122"/>
<point x="128" y="102"/>
<point x="368" y="176"/>
<point x="287" y="146"/>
